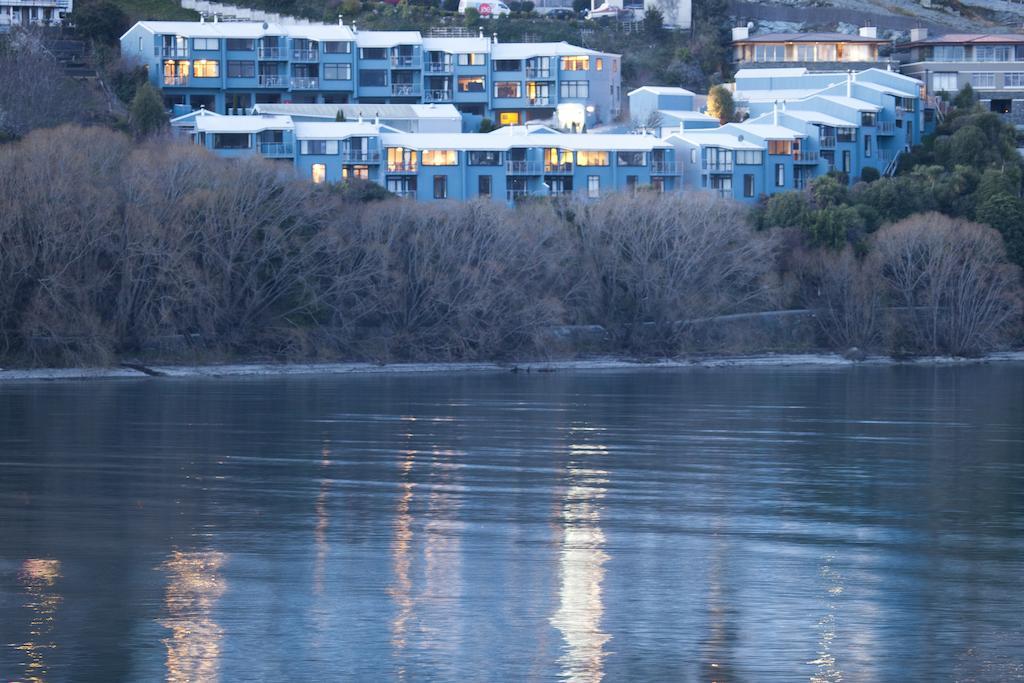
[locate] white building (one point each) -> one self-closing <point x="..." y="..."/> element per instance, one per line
<point x="33" y="12"/>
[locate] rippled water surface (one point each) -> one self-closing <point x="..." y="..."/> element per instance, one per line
<point x="860" y="524"/>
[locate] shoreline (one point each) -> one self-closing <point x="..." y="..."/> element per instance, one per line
<point x="272" y="369"/>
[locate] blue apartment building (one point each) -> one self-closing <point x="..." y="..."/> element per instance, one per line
<point x="231" y="67"/>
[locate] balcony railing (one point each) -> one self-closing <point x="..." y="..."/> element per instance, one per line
<point x="522" y="167"/>
<point x="270" y="53"/>
<point x="438" y="67"/>
<point x="805" y="157"/>
<point x="718" y="167"/>
<point x="358" y="156"/>
<point x="175" y="80"/>
<point x="265" y="81"/>
<point x="277" y="150"/>
<point x="886" y="127"/>
<point x="170" y="52"/>
<point x="539" y="101"/>
<point x="557" y="168"/>
<point x="666" y="168"/>
<point x="534" y="72"/>
<point x="438" y="95"/>
<point x="401" y="167"/>
<point x="305" y="55"/>
<point x="827" y="141"/>
<point x="305" y="83"/>
<point x="402" y="61"/>
<point x="405" y="89"/>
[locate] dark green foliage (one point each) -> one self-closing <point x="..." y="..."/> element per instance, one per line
<point x="870" y="174"/>
<point x="654" y="22"/>
<point x="721" y="104"/>
<point x="146" y="114"/>
<point x="486" y="125"/>
<point x="965" y="99"/>
<point x="359" y="190"/>
<point x="580" y="5"/>
<point x="340" y="116"/>
<point x="101" y="21"/>
<point x="1005" y="212"/>
<point x="125" y="80"/>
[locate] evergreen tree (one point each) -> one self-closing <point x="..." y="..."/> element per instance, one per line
<point x="147" y="115"/>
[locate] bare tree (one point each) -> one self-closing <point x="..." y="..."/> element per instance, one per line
<point x="844" y="293"/>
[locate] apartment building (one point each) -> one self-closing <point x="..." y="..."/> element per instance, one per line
<point x="33" y="12"/>
<point x="813" y="51"/>
<point x="992" y="63"/>
<point x="232" y="67"/>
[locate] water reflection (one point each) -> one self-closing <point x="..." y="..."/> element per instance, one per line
<point x="401" y="560"/>
<point x="320" y="526"/>
<point x="194" y="588"/>
<point x="39" y="576"/>
<point x="581" y="569"/>
<point x="827" y="669"/>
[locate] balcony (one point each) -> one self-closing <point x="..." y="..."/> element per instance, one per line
<point x="405" y="89"/>
<point x="305" y="55"/>
<point x="718" y="167"/>
<point x="557" y="168"/>
<point x="402" y="61"/>
<point x="438" y="96"/>
<point x="401" y="167"/>
<point x="666" y="168"/>
<point x="305" y="83"/>
<point x="175" y="80"/>
<point x="827" y="141"/>
<point x="170" y="52"/>
<point x="886" y="127"/>
<point x="277" y="150"/>
<point x="539" y="101"/>
<point x="438" y="67"/>
<point x="270" y="53"/>
<point x="515" y="195"/>
<point x="267" y="81"/>
<point x="534" y="72"/>
<point x="522" y="167"/>
<point x="805" y="157"/>
<point x="358" y="156"/>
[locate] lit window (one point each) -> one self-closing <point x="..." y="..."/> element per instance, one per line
<point x="400" y="159"/>
<point x="319" y="173"/>
<point x="590" y="158"/>
<point x="471" y="59"/>
<point x="508" y="118"/>
<point x="780" y="147"/>
<point x="440" y="157"/>
<point x="507" y="89"/>
<point x="471" y="84"/>
<point x="206" y="68"/>
<point x="557" y="159"/>
<point x="575" y="63"/>
<point x="599" y="64"/>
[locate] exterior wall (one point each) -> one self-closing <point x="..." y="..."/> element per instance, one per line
<point x="33" y="12"/>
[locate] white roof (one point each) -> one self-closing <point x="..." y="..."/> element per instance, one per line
<point x="324" y="130"/>
<point x="193" y="115"/>
<point x="767" y="131"/>
<point x="486" y="141"/>
<point x="661" y="90"/>
<point x="526" y="129"/>
<point x="242" y="124"/>
<point x="367" y="111"/>
<point x="388" y="38"/>
<point x="713" y="138"/>
<point x="771" y="73"/>
<point x="525" y="50"/>
<point x="456" y="46"/>
<point x="851" y="102"/>
<point x="778" y="94"/>
<point x="682" y="115"/>
<point x="247" y="29"/>
<point x="813" y="117"/>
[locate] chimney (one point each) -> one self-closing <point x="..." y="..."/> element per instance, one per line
<point x="202" y="18"/>
<point x="494" y="37"/>
<point x="341" y="20"/>
<point x="355" y="29"/>
<point x="740" y="33"/>
<point x="215" y="18"/>
<point x="481" y="31"/>
<point x="849" y="84"/>
<point x="775" y="113"/>
<point x="917" y="34"/>
<point x="868" y="31"/>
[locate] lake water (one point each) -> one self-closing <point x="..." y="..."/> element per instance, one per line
<point x="761" y="524"/>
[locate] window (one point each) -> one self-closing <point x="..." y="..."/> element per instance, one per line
<point x="575" y="89"/>
<point x="593" y="186"/>
<point x="484" y="158"/>
<point x="337" y="72"/>
<point x="780" y="147"/>
<point x="1001" y="106"/>
<point x="231" y="141"/>
<point x="373" y="53"/>
<point x="588" y="158"/>
<point x="241" y="44"/>
<point x="508" y="118"/>
<point x="483" y="185"/>
<point x="723" y="185"/>
<point x="241" y="69"/>
<point x="1013" y="79"/>
<point x="846" y="161"/>
<point x="631" y="158"/>
<point x="631" y="182"/>
<point x="440" y="187"/>
<point x="749" y="157"/>
<point x="557" y="159"/>
<point x="400" y="159"/>
<point x="336" y="47"/>
<point x="658" y="184"/>
<point x="575" y="63"/>
<point x="361" y="172"/>
<point x="748" y="184"/>
<point x="507" y="89"/>
<point x="983" y="80"/>
<point x="599" y="64"/>
<point x="993" y="53"/>
<point x="440" y="157"/>
<point x="805" y="53"/>
<point x="780" y="175"/>
<point x="206" y="68"/>
<point x="868" y="118"/>
<point x="769" y="53"/>
<point x="319" y="146"/>
<point x="206" y="43"/>
<point x="693" y="155"/>
<point x="471" y="84"/>
<point x="948" y="53"/>
<point x="471" y="59"/>
<point x="944" y="81"/>
<point x="507" y="65"/>
<point x="403" y="186"/>
<point x="319" y="173"/>
<point x="846" y="134"/>
<point x="373" y="77"/>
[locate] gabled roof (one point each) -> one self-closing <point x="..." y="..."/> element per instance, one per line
<point x="526" y="50"/>
<point x="185" y="118"/>
<point x="661" y="90"/>
<point x="971" y="39"/>
<point x="246" y="29"/>
<point x="457" y="46"/>
<point x="339" y="130"/>
<point x="851" y="102"/>
<point x="388" y="38"/>
<point x="766" y="131"/>
<point x="715" y="138"/>
<point x="242" y="124"/>
<point x="528" y="129"/>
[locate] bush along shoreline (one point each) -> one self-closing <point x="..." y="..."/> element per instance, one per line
<point x="111" y="250"/>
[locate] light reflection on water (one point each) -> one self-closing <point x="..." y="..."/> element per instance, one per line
<point x="709" y="525"/>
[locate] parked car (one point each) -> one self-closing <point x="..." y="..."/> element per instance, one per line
<point x="486" y="8"/>
<point x="561" y="13"/>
